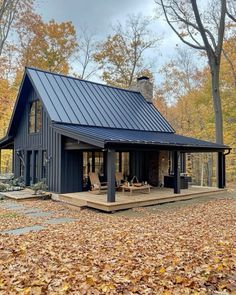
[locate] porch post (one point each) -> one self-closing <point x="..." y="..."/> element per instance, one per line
<point x="221" y="170"/>
<point x="111" y="193"/>
<point x="176" y="172"/>
<point x="224" y="167"/>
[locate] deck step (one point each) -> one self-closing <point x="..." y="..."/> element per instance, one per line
<point x="72" y="200"/>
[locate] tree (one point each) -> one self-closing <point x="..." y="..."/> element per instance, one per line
<point x="180" y="75"/>
<point x="121" y="56"/>
<point x="195" y="29"/>
<point x="48" y="46"/>
<point x="86" y="50"/>
<point x="8" y="10"/>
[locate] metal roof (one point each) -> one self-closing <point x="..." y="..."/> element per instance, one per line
<point x="6" y="142"/>
<point x="103" y="136"/>
<point x="75" y="101"/>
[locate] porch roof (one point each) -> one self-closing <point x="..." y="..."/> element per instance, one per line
<point x="7" y="142"/>
<point x="105" y="137"/>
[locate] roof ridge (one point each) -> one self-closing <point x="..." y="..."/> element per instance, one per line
<point x="82" y="80"/>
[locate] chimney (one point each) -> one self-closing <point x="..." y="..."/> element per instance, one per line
<point x="145" y="86"/>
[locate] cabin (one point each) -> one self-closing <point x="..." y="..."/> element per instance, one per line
<point x="62" y="128"/>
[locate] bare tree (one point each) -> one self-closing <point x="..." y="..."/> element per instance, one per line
<point x="121" y="55"/>
<point x="214" y="16"/>
<point x="231" y="10"/>
<point x="191" y="24"/>
<point x="8" y="10"/>
<point x="87" y="45"/>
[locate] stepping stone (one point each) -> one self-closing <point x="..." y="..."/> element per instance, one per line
<point x="38" y="214"/>
<point x="23" y="230"/>
<point x="60" y="220"/>
<point x="14" y="206"/>
<point x="31" y="210"/>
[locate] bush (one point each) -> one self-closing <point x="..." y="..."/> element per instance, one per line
<point x="39" y="186"/>
<point x="3" y="187"/>
<point x="17" y="182"/>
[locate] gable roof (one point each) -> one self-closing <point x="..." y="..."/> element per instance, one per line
<point x="75" y="101"/>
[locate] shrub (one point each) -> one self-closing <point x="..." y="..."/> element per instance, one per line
<point x="39" y="186"/>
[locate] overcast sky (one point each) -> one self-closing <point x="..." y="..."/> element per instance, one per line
<point x="98" y="15"/>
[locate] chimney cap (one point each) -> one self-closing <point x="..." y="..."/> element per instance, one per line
<point x="143" y="78"/>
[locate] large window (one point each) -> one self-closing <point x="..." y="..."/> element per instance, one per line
<point x="125" y="164"/>
<point x="35" y="116"/>
<point x="122" y="163"/>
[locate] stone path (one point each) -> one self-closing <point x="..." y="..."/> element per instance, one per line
<point x="32" y="213"/>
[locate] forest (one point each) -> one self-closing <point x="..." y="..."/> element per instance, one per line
<point x="183" y="85"/>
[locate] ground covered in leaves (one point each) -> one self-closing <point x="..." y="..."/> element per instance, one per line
<point x="176" y="250"/>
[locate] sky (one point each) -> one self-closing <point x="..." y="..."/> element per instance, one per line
<point x="99" y="15"/>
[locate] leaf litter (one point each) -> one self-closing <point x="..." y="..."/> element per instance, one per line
<point x="188" y="250"/>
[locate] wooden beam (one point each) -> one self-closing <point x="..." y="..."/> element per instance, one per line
<point x="79" y="146"/>
<point x="111" y="193"/>
<point x="176" y="172"/>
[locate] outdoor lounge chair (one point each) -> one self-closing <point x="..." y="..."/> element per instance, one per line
<point x="96" y="185"/>
<point x="119" y="179"/>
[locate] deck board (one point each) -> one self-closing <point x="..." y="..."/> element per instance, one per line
<point x="138" y="199"/>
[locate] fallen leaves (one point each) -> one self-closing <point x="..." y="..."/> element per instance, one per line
<point x="188" y="250"/>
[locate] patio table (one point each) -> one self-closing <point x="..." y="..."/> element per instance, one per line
<point x="132" y="188"/>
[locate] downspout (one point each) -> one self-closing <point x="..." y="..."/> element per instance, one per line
<point x="229" y="150"/>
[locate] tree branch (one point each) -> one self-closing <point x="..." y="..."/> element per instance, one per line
<point x="176" y="32"/>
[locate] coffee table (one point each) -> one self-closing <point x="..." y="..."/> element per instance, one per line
<point x="132" y="188"/>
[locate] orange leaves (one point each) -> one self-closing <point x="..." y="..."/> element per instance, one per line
<point x="159" y="252"/>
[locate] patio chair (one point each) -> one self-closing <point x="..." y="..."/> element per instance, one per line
<point x="95" y="182"/>
<point x="119" y="179"/>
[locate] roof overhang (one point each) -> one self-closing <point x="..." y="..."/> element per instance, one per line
<point x="7" y="143"/>
<point x="133" y="139"/>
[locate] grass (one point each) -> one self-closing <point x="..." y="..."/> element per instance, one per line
<point x="9" y="215"/>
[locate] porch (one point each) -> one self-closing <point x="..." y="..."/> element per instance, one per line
<point x="127" y="201"/>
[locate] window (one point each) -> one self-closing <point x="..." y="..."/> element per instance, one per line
<point x="21" y="168"/>
<point x="118" y="162"/>
<point x="98" y="163"/>
<point x="44" y="162"/>
<point x="125" y="164"/>
<point x="35" y="116"/>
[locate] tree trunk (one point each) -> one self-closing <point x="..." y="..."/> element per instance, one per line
<point x="215" y="74"/>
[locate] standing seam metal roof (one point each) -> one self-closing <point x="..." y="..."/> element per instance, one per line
<point x="109" y="135"/>
<point x="74" y="101"/>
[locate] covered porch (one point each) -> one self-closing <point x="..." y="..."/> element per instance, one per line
<point x="151" y="154"/>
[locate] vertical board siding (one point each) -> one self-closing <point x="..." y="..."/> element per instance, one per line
<point x="47" y="139"/>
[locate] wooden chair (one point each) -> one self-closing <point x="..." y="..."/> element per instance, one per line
<point x="119" y="179"/>
<point x="95" y="182"/>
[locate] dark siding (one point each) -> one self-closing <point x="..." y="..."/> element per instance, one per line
<point x="48" y="139"/>
<point x="71" y="172"/>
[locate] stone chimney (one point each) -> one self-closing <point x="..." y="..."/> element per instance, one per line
<point x="145" y="86"/>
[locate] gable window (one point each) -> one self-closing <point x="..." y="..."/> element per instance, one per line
<point x="35" y="116"/>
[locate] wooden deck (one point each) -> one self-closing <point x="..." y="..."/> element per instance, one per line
<point x="25" y="194"/>
<point x="157" y="196"/>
